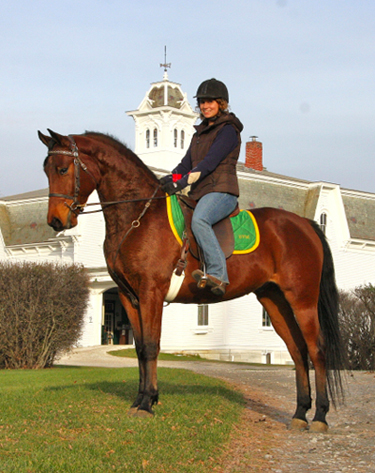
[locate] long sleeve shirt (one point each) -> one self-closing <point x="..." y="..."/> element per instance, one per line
<point x="225" y="143"/>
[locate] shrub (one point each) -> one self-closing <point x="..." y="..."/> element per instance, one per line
<point x="357" y="317"/>
<point x="42" y="307"/>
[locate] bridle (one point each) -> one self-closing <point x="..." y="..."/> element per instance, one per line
<point x="75" y="206"/>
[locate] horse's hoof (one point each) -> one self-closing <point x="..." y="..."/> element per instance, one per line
<point x="135" y="412"/>
<point x="298" y="424"/>
<point x="319" y="427"/>
<point x="144" y="414"/>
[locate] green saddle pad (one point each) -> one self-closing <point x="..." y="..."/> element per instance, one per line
<point x="245" y="227"/>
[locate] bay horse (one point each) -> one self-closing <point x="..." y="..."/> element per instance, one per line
<point x="291" y="272"/>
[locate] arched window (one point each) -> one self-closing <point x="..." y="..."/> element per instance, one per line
<point x="182" y="139"/>
<point x="147" y="138"/>
<point x="155" y="137"/>
<point x="323" y="222"/>
<point x="175" y="133"/>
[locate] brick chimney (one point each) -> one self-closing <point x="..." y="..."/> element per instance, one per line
<point x="254" y="154"/>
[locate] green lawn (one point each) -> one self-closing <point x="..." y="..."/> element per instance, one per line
<point x="75" y="420"/>
<point x="131" y="353"/>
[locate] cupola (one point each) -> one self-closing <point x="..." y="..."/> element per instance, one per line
<point x="163" y="124"/>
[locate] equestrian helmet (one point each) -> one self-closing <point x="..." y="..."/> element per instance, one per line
<point x="212" y="89"/>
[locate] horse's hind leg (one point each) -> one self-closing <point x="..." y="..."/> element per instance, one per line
<point x="285" y="325"/>
<point x="309" y="324"/>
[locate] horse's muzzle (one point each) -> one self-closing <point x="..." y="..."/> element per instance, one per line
<point x="57" y="225"/>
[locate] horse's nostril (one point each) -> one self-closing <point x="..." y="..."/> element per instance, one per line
<point x="56" y="224"/>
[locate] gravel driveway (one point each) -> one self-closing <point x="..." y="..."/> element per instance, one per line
<point x="262" y="441"/>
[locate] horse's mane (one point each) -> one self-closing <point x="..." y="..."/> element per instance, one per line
<point x="120" y="147"/>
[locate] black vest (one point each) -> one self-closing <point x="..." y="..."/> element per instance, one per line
<point x="224" y="177"/>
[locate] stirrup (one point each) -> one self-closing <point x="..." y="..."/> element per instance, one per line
<point x="203" y="279"/>
<point x="200" y="277"/>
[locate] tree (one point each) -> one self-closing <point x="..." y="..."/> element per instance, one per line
<point x="42" y="307"/>
<point x="357" y="317"/>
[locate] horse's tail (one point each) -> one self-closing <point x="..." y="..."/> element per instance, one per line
<point x="328" y="308"/>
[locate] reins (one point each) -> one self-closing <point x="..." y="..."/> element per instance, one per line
<point x="115" y="202"/>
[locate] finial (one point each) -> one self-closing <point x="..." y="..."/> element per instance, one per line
<point x="165" y="65"/>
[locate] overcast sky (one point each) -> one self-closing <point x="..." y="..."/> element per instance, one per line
<point x="300" y="73"/>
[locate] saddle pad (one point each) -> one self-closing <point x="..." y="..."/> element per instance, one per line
<point x="245" y="228"/>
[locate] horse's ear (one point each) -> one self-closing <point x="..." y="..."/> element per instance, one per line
<point x="54" y="139"/>
<point x="44" y="139"/>
<point x="58" y="138"/>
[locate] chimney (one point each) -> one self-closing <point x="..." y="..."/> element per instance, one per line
<point x="254" y="154"/>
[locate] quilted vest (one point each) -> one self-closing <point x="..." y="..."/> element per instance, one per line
<point x="224" y="177"/>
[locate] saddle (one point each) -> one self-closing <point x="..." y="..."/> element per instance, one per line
<point x="223" y="229"/>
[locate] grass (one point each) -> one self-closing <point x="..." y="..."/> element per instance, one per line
<point x="75" y="420"/>
<point x="131" y="353"/>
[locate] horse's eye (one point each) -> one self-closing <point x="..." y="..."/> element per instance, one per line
<point x="63" y="171"/>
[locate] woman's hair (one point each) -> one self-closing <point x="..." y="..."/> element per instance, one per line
<point x="223" y="107"/>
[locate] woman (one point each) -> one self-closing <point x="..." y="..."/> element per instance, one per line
<point x="209" y="167"/>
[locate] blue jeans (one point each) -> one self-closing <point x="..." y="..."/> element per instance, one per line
<point x="210" y="209"/>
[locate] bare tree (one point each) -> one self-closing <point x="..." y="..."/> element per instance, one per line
<point x="357" y="317"/>
<point x="42" y="308"/>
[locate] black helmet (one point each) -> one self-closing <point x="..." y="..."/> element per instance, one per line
<point x="212" y="89"/>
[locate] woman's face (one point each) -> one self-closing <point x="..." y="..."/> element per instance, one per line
<point x="209" y="108"/>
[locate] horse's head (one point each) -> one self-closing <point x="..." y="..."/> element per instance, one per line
<point x="70" y="180"/>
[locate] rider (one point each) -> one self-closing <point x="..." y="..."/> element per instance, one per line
<point x="208" y="173"/>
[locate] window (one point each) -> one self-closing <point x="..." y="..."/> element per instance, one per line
<point x="202" y="315"/>
<point x="182" y="139"/>
<point x="155" y="137"/>
<point x="323" y="222"/>
<point x="147" y="138"/>
<point x="175" y="133"/>
<point x="266" y="320"/>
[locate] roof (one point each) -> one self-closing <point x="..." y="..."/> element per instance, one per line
<point x="164" y="95"/>
<point x="174" y="97"/>
<point x="26" y="195"/>
<point x="360" y="215"/>
<point x="268" y="189"/>
<point x="23" y="218"/>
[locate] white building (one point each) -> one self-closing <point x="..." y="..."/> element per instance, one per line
<point x="237" y="330"/>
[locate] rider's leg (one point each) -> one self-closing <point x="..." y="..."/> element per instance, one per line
<point x="210" y="209"/>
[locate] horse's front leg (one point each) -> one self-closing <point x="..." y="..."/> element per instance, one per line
<point x="146" y="324"/>
<point x="148" y="394"/>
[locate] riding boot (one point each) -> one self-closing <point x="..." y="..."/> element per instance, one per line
<point x="217" y="287"/>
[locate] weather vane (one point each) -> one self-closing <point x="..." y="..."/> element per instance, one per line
<point x="166" y="64"/>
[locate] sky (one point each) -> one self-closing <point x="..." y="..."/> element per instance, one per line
<point x="300" y="74"/>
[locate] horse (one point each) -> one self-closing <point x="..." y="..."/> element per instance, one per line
<point x="291" y="272"/>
